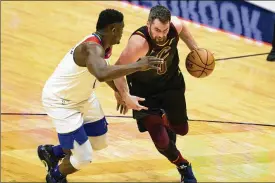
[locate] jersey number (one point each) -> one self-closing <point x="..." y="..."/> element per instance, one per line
<point x="164" y="53"/>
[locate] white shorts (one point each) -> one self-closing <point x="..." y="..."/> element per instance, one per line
<point x="68" y="118"/>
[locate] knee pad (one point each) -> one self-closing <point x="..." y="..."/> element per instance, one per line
<point x="99" y="142"/>
<point x="81" y="155"/>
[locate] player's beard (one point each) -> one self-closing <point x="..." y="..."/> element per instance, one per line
<point x="160" y="41"/>
<point x="155" y="39"/>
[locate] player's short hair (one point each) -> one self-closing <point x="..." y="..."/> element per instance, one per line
<point x="107" y="17"/>
<point x="159" y="12"/>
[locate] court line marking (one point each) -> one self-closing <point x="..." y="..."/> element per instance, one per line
<point x="194" y="120"/>
<point x="209" y="121"/>
<point x="241" y="56"/>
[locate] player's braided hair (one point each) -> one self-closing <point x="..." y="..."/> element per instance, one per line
<point x="107" y="17"/>
<point x="159" y="12"/>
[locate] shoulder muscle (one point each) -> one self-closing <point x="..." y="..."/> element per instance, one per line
<point x="136" y="47"/>
<point x="177" y="23"/>
<point x="85" y="49"/>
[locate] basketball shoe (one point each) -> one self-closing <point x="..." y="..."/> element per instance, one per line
<point x="46" y="155"/>
<point x="186" y="172"/>
<point x="51" y="179"/>
<point x="271" y="55"/>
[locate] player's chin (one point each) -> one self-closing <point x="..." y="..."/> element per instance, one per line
<point x="160" y="42"/>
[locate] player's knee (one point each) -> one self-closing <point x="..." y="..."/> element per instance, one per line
<point x="183" y="132"/>
<point x="181" y="129"/>
<point x="99" y="142"/>
<point x="80" y="163"/>
<point x="81" y="155"/>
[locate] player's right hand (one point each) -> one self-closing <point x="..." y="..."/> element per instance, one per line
<point x="132" y="102"/>
<point x="121" y="106"/>
<point x="150" y="62"/>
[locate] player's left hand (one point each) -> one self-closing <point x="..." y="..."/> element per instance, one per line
<point x="121" y="106"/>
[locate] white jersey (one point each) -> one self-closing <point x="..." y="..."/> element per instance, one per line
<point x="71" y="84"/>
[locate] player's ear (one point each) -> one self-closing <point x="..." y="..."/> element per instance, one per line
<point x="113" y="30"/>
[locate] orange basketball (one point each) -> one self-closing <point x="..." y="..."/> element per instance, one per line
<point x="200" y="63"/>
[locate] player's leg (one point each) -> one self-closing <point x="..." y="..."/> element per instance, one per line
<point x="175" y="111"/>
<point x="97" y="133"/>
<point x="271" y="55"/>
<point x="175" y="108"/>
<point x="80" y="155"/>
<point x="73" y="140"/>
<point x="153" y="122"/>
<point x="49" y="154"/>
<point x="95" y="124"/>
<point x="158" y="131"/>
<point x="172" y="135"/>
<point x="160" y="136"/>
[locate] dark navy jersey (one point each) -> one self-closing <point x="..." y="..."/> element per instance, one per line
<point x="151" y="82"/>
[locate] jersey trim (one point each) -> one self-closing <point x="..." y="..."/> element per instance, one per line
<point x="96" y="39"/>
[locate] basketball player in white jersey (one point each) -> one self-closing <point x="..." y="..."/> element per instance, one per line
<point x="69" y="99"/>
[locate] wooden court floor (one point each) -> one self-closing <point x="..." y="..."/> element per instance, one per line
<point x="36" y="35"/>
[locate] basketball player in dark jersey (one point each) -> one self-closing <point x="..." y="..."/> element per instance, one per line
<point x="163" y="89"/>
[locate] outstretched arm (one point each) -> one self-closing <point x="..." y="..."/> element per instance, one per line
<point x="136" y="48"/>
<point x="112" y="85"/>
<point x="90" y="54"/>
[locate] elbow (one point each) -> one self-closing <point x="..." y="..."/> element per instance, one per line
<point x="100" y="75"/>
<point x="101" y="78"/>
